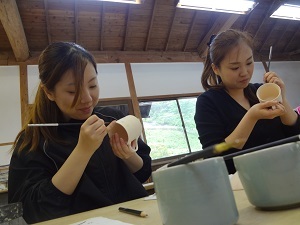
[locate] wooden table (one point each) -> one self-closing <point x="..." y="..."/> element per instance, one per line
<point x="247" y="214"/>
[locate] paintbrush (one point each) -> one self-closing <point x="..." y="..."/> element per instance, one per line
<point x="261" y="147"/>
<point x="57" y="124"/>
<point x="270" y="57"/>
<point x="206" y="152"/>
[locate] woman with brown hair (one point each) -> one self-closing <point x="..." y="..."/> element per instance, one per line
<point x="229" y="110"/>
<point x="58" y="171"/>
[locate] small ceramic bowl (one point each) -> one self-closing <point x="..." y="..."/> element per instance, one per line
<point x="271" y="177"/>
<point x="195" y="193"/>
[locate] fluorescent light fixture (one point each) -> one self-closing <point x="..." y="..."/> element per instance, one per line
<point x="232" y="6"/>
<point x="287" y="11"/>
<point x="123" y="1"/>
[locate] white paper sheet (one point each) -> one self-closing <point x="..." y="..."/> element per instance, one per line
<point x="100" y="220"/>
<point x="150" y="197"/>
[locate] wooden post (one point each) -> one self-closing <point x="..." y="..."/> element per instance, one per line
<point x="134" y="99"/>
<point x="23" y="92"/>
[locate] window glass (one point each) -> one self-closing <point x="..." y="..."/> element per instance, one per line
<point x="123" y="106"/>
<point x="169" y="127"/>
<point x="187" y="106"/>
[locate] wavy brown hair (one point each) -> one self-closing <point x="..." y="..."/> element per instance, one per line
<point x="54" y="61"/>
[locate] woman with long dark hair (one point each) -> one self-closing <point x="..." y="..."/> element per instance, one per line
<point x="228" y="110"/>
<point x="58" y="171"/>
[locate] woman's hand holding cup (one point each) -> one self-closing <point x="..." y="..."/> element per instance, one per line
<point x="124" y="134"/>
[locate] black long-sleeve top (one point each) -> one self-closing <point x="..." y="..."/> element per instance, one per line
<point x="218" y="114"/>
<point x="105" y="181"/>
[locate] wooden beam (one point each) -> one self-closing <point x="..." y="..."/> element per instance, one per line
<point x="222" y="23"/>
<point x="12" y="24"/>
<point x="102" y="27"/>
<point x="291" y="39"/>
<point x="133" y="95"/>
<point x="190" y="31"/>
<point x="76" y="21"/>
<point x="47" y="21"/>
<point x="212" y="20"/>
<point x="140" y="57"/>
<point x="135" y="57"/>
<point x="278" y="40"/>
<point x="4" y="58"/>
<point x="150" y="57"/>
<point x="150" y="24"/>
<point x="246" y="21"/>
<point x="267" y="37"/>
<point x="170" y="29"/>
<point x="275" y="57"/>
<point x="131" y="86"/>
<point x="126" y="27"/>
<point x="24" y="92"/>
<point x="274" y="6"/>
<point x="8" y="58"/>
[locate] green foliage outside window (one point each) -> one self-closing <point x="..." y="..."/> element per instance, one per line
<point x="165" y="131"/>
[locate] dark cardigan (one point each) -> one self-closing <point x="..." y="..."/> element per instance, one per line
<point x="217" y="115"/>
<point x="105" y="181"/>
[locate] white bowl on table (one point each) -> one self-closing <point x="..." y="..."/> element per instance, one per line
<point x="271" y="176"/>
<point x="195" y="193"/>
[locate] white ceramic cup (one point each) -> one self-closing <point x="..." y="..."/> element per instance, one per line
<point x="271" y="177"/>
<point x="129" y="128"/>
<point x="195" y="193"/>
<point x="269" y="92"/>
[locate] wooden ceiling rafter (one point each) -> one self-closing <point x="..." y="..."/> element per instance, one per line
<point x="170" y="30"/>
<point x="269" y="12"/>
<point x="291" y="39"/>
<point x="76" y="21"/>
<point x="150" y="24"/>
<point x="210" y="24"/>
<point x="267" y="37"/>
<point x="190" y="31"/>
<point x="223" y="22"/>
<point x="153" y="26"/>
<point x="278" y="40"/>
<point x="102" y="26"/>
<point x="135" y="56"/>
<point x="12" y="24"/>
<point x="127" y="19"/>
<point x="212" y="21"/>
<point x="246" y="21"/>
<point x="47" y="21"/>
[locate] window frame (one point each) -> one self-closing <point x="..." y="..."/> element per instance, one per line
<point x="121" y="101"/>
